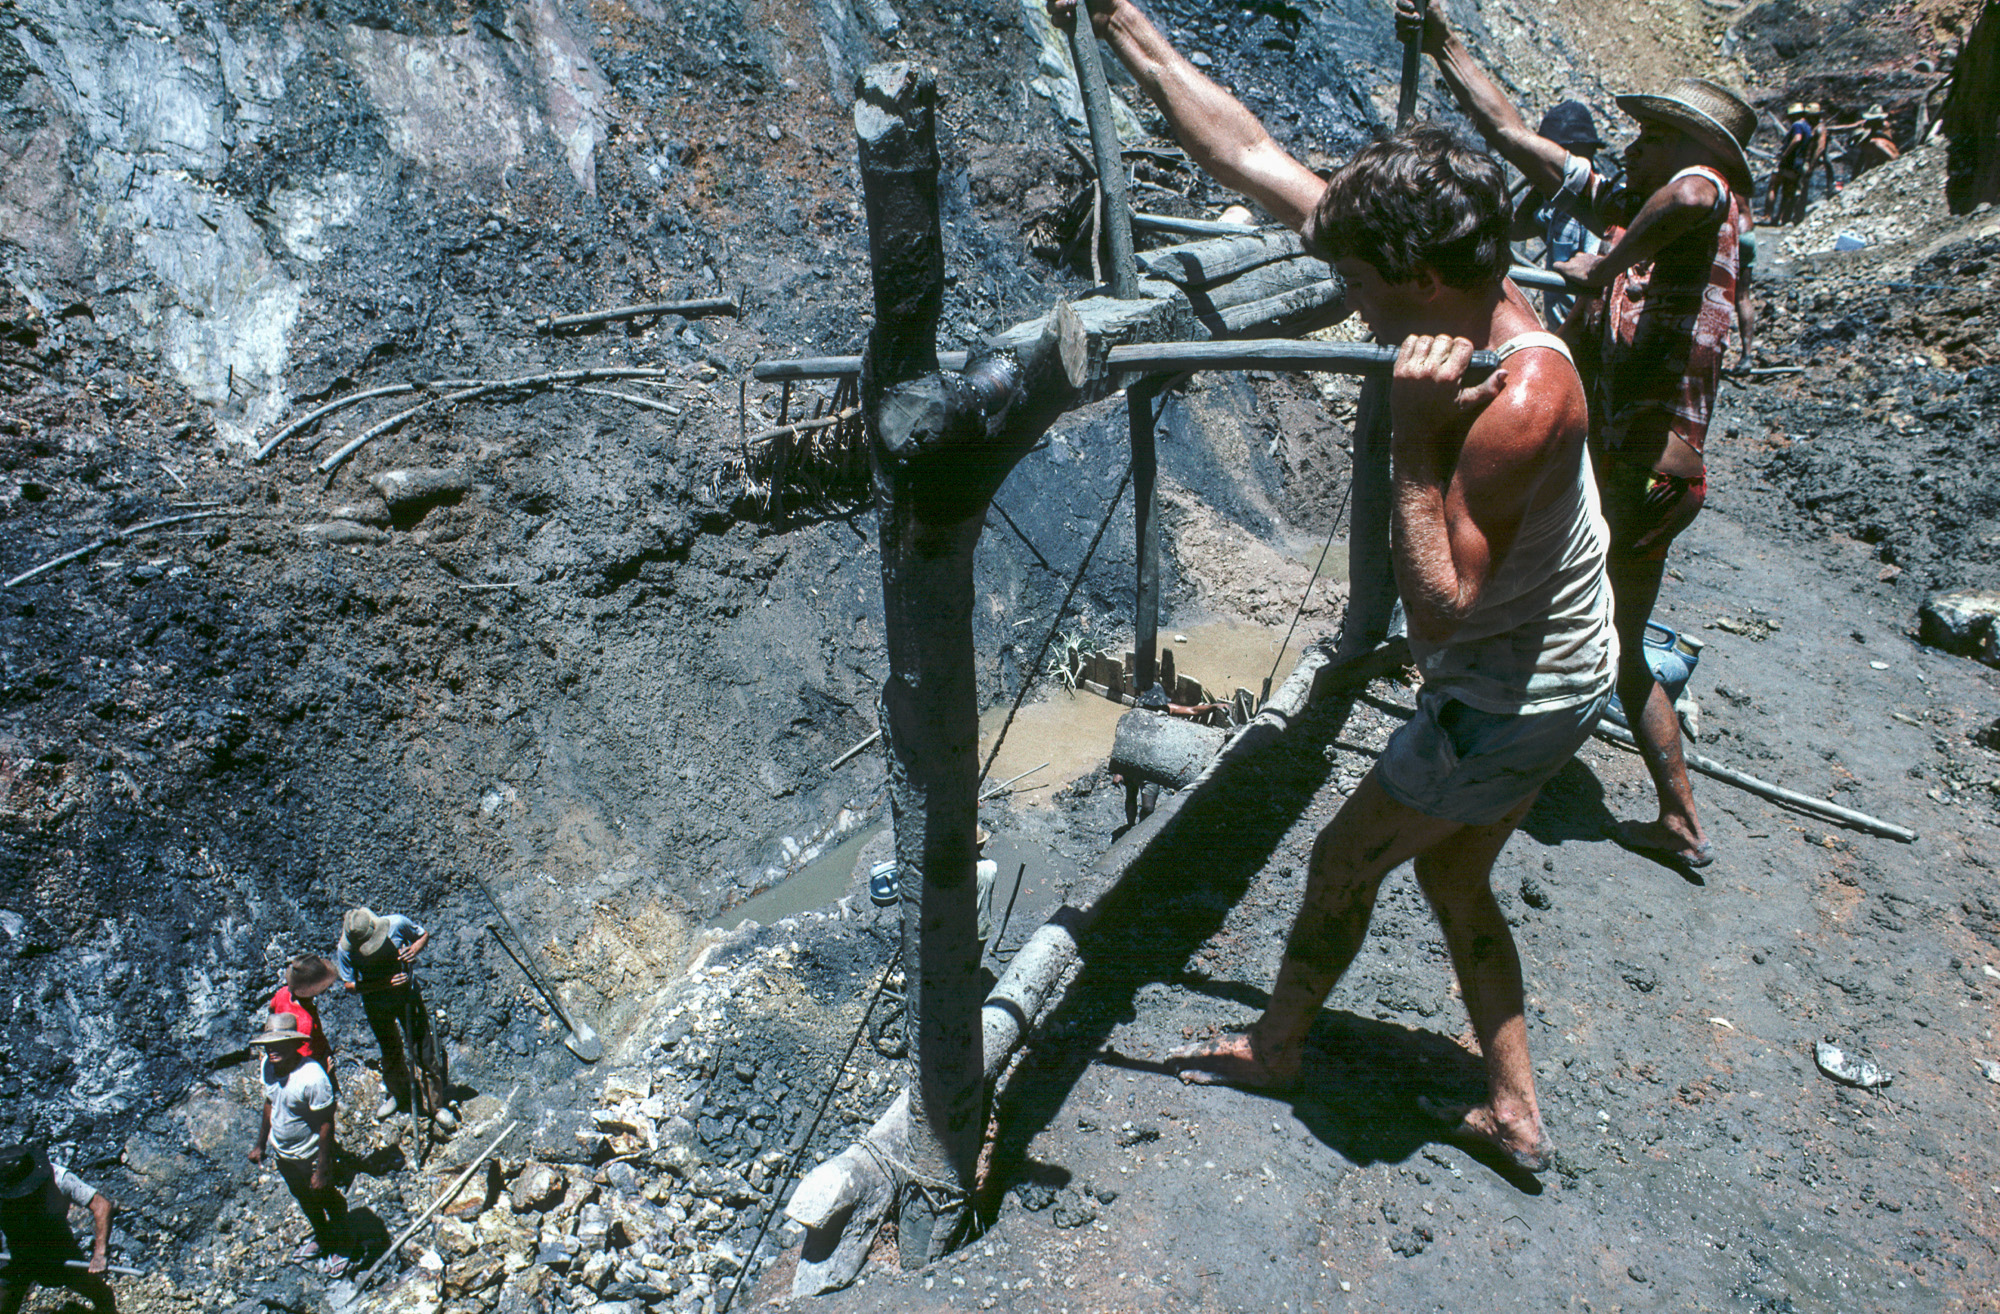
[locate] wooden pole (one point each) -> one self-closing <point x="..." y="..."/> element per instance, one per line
<point x="1116" y="211"/>
<point x="451" y="1192"/>
<point x="1140" y="403"/>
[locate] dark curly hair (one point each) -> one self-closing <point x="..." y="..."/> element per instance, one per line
<point x="1420" y="197"/>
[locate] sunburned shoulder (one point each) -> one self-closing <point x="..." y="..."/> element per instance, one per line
<point x="1542" y="402"/>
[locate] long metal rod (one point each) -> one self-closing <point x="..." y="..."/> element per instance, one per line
<point x="1110" y="158"/>
<point x="1230" y="354"/>
<point x="450" y="1193"/>
<point x="1777" y="793"/>
<point x="1413" y="63"/>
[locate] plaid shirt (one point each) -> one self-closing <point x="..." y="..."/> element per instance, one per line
<point x="1651" y="348"/>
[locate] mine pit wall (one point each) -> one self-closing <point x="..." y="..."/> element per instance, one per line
<point x="217" y="739"/>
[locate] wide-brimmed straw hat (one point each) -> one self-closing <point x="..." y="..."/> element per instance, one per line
<point x="1875" y="114"/>
<point x="23" y="1171"/>
<point x="1795" y="110"/>
<point x="364" y="933"/>
<point x="280" y="1029"/>
<point x="1714" y="116"/>
<point x="308" y="974"/>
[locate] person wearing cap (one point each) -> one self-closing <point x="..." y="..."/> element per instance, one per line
<point x="375" y="958"/>
<point x="1571" y="126"/>
<point x="298" y="1126"/>
<point x="35" y="1197"/>
<point x="1784" y="204"/>
<point x="1650" y="341"/>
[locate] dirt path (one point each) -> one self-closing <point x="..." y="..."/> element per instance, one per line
<point x="1704" y="1161"/>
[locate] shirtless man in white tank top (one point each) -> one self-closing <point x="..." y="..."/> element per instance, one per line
<point x="1499" y="557"/>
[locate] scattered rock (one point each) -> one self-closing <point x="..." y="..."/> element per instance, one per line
<point x="1848" y="1071"/>
<point x="1962" y="622"/>
<point x="405" y="491"/>
<point x="538" y="1189"/>
<point x="1535" y="894"/>
<point x="1642" y="979"/>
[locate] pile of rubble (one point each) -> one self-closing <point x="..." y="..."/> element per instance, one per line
<point x="678" y="1178"/>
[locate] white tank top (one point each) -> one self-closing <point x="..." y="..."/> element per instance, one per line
<point x="1540" y="636"/>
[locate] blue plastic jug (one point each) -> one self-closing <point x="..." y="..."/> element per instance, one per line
<point x="1671" y="657"/>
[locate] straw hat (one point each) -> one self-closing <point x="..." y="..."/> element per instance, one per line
<point x="1875" y="114"/>
<point x="1712" y="115"/>
<point x="307" y="975"/>
<point x="24" y="1170"/>
<point x="1795" y="110"/>
<point x="280" y="1029"/>
<point x="1813" y="109"/>
<point x="364" y="933"/>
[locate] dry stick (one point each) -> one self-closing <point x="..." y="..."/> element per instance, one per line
<point x="800" y="427"/>
<point x="853" y="752"/>
<point x="332" y="463"/>
<point x="650" y="403"/>
<point x="1778" y="793"/>
<point x="1001" y="788"/>
<point x="451" y="1192"/>
<point x="707" y="306"/>
<point x="328" y="409"/>
<point x="122" y="534"/>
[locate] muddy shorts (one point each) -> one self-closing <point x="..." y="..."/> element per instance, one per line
<point x="1456" y="762"/>
<point x="1645" y="510"/>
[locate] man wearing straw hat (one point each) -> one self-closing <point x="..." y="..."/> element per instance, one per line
<point x="298" y="1125"/>
<point x="1782" y="204"/>
<point x="35" y="1196"/>
<point x="375" y="958"/>
<point x="1874" y="146"/>
<point x="1650" y="343"/>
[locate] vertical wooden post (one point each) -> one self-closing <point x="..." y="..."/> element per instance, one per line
<point x="1110" y="158"/>
<point x="1371" y="575"/>
<point x="1142" y="415"/>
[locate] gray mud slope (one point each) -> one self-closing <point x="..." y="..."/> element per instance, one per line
<point x="608" y="670"/>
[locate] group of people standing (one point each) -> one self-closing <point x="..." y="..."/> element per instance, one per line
<point x="1808" y="149"/>
<point x="376" y="959"/>
<point x="1531" y="512"/>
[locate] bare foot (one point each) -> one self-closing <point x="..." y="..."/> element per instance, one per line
<point x="1234" y="1059"/>
<point x="1525" y="1146"/>
<point x="1658" y="840"/>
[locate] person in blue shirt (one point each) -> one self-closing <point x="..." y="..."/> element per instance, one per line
<point x="375" y="958"/>
<point x="1785" y="203"/>
<point x="1571" y="126"/>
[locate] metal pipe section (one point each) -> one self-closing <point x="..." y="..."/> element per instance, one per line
<point x="1142" y="415"/>
<point x="1159" y="357"/>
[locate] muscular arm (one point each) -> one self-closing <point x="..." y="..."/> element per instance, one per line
<point x="1539" y="159"/>
<point x="1670" y="213"/>
<point x="1217" y="130"/>
<point x="1459" y="493"/>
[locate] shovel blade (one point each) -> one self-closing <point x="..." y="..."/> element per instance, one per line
<point x="583" y="1043"/>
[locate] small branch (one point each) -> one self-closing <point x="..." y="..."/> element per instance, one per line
<point x="688" y="309"/>
<point x="311" y="417"/>
<point x="650" y="403"/>
<point x="799" y="427"/>
<point x="853" y="752"/>
<point x="332" y="463"/>
<point x="106" y="542"/>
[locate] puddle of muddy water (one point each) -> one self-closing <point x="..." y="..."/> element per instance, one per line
<point x="1073" y="732"/>
<point x="816" y="884"/>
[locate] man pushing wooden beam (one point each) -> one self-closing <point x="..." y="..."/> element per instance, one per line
<point x="1498" y="553"/>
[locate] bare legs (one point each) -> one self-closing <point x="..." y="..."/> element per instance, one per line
<point x="1635" y="586"/>
<point x="1370" y="837"/>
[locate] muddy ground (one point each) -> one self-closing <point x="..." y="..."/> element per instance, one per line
<point x="609" y="672"/>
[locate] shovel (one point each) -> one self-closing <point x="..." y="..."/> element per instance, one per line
<point x="582" y="1041"/>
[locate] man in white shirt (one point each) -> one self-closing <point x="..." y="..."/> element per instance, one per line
<point x="298" y="1125"/>
<point x="35" y="1196"/>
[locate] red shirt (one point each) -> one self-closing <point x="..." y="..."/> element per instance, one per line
<point x="316" y="1046"/>
<point x="1651" y="349"/>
